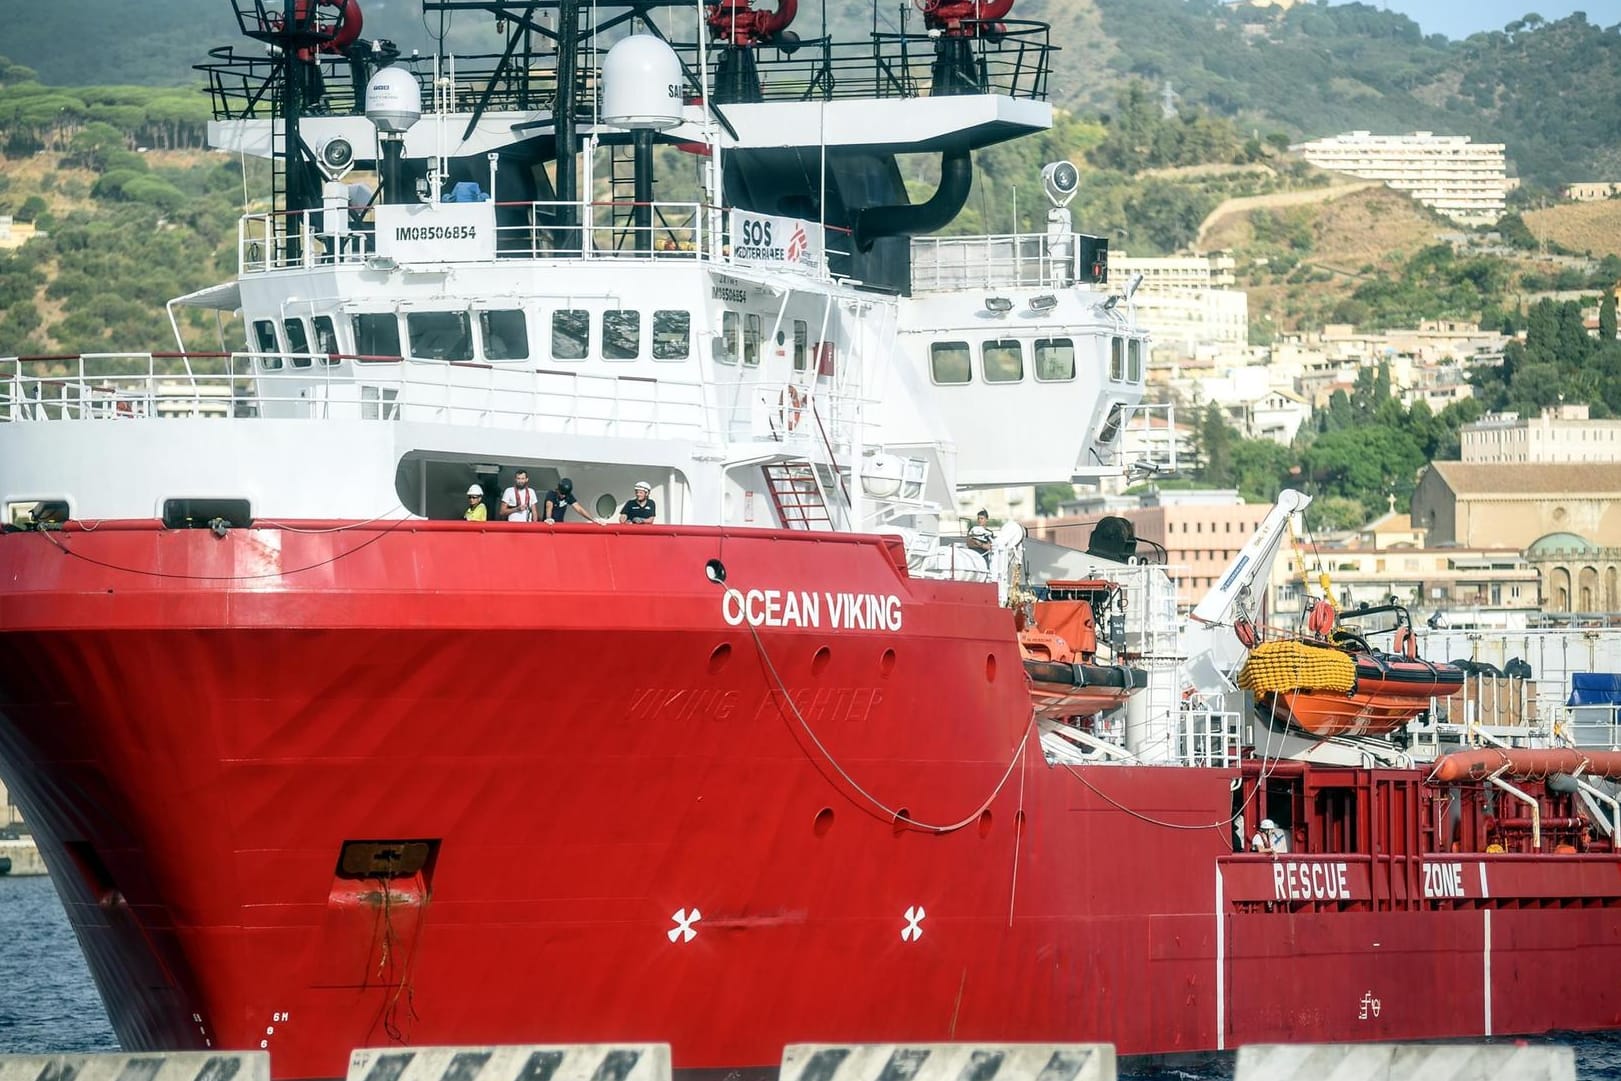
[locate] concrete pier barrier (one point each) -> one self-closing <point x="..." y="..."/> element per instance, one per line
<point x="1405" y="1062"/>
<point x="24" y="857"/>
<point x="948" y="1062"/>
<point x="154" y="1066"/>
<point x="532" y="1062"/>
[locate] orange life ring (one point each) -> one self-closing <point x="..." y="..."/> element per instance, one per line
<point x="1248" y="635"/>
<point x="1321" y="618"/>
<point x="1405" y="642"/>
<point x="790" y="407"/>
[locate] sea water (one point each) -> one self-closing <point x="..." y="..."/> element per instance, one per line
<point x="47" y="1002"/>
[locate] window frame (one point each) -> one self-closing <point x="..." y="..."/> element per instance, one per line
<point x="484" y="334"/>
<point x="660" y="315"/>
<point x="466" y="332"/>
<point x="584" y="339"/>
<point x="753" y="339"/>
<point x="1042" y="345"/>
<point x="1117" y="359"/>
<point x="726" y="347"/>
<point x="967" y="353"/>
<point x="618" y="315"/>
<point x="355" y="328"/>
<point x="299" y="344"/>
<point x="1000" y="344"/>
<point x="328" y="356"/>
<point x="269" y="359"/>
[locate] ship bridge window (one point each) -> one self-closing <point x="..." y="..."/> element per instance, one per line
<point x="951" y="362"/>
<point x="264" y="339"/>
<point x="377" y="334"/>
<point x="571" y="334"/>
<point x="752" y="335"/>
<point x="1055" y="359"/>
<point x="298" y="343"/>
<point x="621" y="334"/>
<point x="1002" y="360"/>
<point x="326" y="338"/>
<point x="672" y="335"/>
<point x="440" y="335"/>
<point x="801" y="345"/>
<point x="505" y="334"/>
<point x="1117" y="358"/>
<point x="725" y="347"/>
<point x="1134" y="361"/>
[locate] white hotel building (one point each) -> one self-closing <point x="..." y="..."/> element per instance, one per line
<point x="1187" y="301"/>
<point x="1465" y="181"/>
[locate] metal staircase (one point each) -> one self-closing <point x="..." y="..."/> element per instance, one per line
<point x="798" y="490"/>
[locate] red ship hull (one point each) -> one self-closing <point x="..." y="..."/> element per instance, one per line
<point x="647" y="823"/>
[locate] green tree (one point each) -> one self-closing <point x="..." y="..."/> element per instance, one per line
<point x="1606" y="318"/>
<point x="1214" y="450"/>
<point x="1335" y="512"/>
<point x="1049" y="497"/>
<point x="1366" y="463"/>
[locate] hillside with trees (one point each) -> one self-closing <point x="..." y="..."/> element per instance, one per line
<point x="1547" y="89"/>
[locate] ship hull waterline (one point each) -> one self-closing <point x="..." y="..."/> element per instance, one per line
<point x="648" y="822"/>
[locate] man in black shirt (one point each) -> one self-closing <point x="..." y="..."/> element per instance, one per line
<point x="641" y="510"/>
<point x="559" y="500"/>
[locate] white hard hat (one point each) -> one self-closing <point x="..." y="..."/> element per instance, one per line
<point x="473" y="489"/>
<point x="642" y="486"/>
<point x="1268" y="824"/>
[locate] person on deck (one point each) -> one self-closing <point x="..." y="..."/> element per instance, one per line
<point x="1270" y="838"/>
<point x="980" y="536"/>
<point x="641" y="510"/>
<point x="476" y="510"/>
<point x="559" y="500"/>
<point x="518" y="503"/>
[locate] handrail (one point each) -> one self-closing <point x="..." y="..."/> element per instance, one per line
<point x="673" y="404"/>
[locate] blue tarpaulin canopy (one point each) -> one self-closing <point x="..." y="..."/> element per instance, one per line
<point x="1594" y="689"/>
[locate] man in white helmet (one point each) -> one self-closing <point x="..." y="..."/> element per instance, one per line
<point x="1270" y="838"/>
<point x="476" y="510"/>
<point x="641" y="510"/>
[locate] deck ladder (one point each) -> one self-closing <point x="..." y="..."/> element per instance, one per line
<point x="798" y="492"/>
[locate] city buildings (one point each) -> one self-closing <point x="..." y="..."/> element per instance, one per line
<point x="1592" y="192"/>
<point x="1200" y="530"/>
<point x="1187" y="302"/>
<point x="1464" y="180"/>
<point x="1513" y="504"/>
<point x="1562" y="433"/>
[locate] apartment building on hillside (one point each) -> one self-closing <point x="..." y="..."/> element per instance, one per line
<point x="1466" y="181"/>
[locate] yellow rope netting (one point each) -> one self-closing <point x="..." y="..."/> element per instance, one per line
<point x="1289" y="665"/>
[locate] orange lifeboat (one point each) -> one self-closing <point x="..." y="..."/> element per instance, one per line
<point x="1341" y="686"/>
<point x="1060" y="649"/>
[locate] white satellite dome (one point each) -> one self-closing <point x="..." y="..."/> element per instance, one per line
<point x="393" y="100"/>
<point x="642" y="84"/>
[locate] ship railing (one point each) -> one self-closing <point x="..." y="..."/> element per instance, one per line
<point x="1001" y="261"/>
<point x="1011" y="57"/>
<point x="302" y="239"/>
<point x="1589" y="728"/>
<point x="336" y="386"/>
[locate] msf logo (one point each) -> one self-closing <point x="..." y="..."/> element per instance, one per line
<point x="798" y="245"/>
